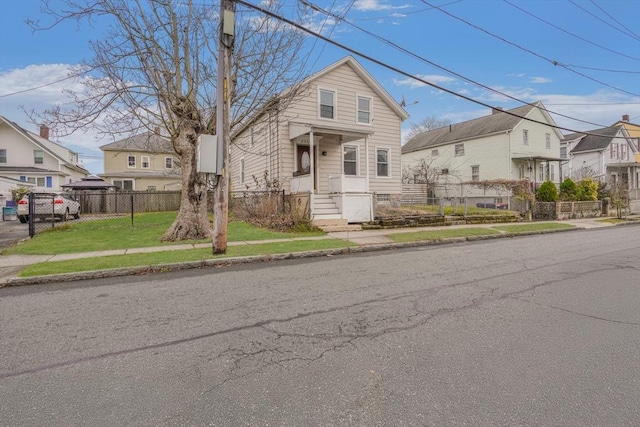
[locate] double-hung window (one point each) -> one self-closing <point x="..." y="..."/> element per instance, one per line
<point x="327" y="104"/>
<point x="459" y="149"/>
<point x="38" y="157"/>
<point x="350" y="160"/>
<point x="168" y="162"/>
<point x="475" y="173"/>
<point x="124" y="184"/>
<point x="525" y="137"/>
<point x="145" y="163"/>
<point x="364" y="110"/>
<point x="131" y="161"/>
<point x="547" y="141"/>
<point x="382" y="162"/>
<point x="3" y="155"/>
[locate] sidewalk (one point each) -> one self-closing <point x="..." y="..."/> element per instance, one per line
<point x="10" y="265"/>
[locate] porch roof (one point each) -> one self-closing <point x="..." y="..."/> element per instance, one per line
<point x="346" y="133"/>
<point x="543" y="158"/>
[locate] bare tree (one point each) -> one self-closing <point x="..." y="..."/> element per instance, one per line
<point x="156" y="66"/>
<point x="426" y="124"/>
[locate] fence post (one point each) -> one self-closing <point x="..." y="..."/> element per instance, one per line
<point x="132" y="209"/>
<point x="32" y="211"/>
<point x="283" y="204"/>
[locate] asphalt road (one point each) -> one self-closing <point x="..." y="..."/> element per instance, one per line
<point x="539" y="330"/>
<point x="12" y="232"/>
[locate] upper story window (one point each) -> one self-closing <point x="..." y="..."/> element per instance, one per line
<point x="3" y="155"/>
<point x="475" y="173"/>
<point x="547" y="141"/>
<point x="444" y="171"/>
<point x="459" y="149"/>
<point x="350" y="160"/>
<point x="327" y="104"/>
<point x="434" y="153"/>
<point x="131" y="161"/>
<point x="624" y="152"/>
<point x="168" y="162"/>
<point x="145" y="163"/>
<point x="563" y="152"/>
<point x="364" y="110"/>
<point x="614" y="151"/>
<point x="382" y="162"/>
<point x="38" y="157"/>
<point x="525" y="136"/>
<point x="242" y="171"/>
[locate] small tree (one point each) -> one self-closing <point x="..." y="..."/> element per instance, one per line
<point x="568" y="190"/>
<point x="19" y="192"/>
<point x="547" y="192"/>
<point x="587" y="189"/>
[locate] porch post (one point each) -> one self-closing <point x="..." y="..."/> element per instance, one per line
<point x="366" y="156"/>
<point x="312" y="160"/>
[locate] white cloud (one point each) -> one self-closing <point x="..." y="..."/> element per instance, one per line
<point x="540" y="80"/>
<point x="432" y="78"/>
<point x="376" y="5"/>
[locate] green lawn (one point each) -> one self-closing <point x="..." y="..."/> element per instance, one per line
<point x="529" y="227"/>
<point x="119" y="233"/>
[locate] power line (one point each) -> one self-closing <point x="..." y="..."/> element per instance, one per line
<point x="41" y="86"/>
<point x="565" y="31"/>
<point x="602" y="20"/>
<point x="421" y="58"/>
<point x="398" y="70"/>
<point x="556" y="63"/>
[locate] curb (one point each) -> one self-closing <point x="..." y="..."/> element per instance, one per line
<point x="227" y="262"/>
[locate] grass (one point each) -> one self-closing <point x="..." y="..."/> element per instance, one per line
<point x="119" y="233"/>
<point x="532" y="227"/>
<point x="157" y="258"/>
<point x="440" y="234"/>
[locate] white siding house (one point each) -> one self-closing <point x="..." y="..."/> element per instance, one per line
<point x="337" y="139"/>
<point x="521" y="143"/>
<point x="34" y="159"/>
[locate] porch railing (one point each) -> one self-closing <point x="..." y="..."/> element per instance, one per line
<point x="347" y="184"/>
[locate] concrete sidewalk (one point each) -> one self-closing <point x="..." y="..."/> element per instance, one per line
<point x="10" y="265"/>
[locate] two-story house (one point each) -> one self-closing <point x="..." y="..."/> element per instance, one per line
<point x="336" y="139"/>
<point x="34" y="159"/>
<point x="521" y="143"/>
<point x="633" y="129"/>
<point x="142" y="162"/>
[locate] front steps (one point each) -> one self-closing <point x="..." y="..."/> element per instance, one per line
<point x="327" y="217"/>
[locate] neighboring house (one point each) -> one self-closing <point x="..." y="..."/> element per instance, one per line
<point x="607" y="154"/>
<point x="520" y="143"/>
<point x="142" y="162"/>
<point x="633" y="130"/>
<point x="337" y="140"/>
<point x="34" y="159"/>
<point x="7" y="184"/>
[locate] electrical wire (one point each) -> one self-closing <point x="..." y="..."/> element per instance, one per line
<point x="41" y="86"/>
<point x="600" y="19"/>
<point x="398" y="70"/>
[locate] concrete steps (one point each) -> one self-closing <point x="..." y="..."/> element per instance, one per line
<point x="336" y="224"/>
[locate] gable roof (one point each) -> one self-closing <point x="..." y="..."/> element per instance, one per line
<point x="54" y="149"/>
<point x="150" y="142"/>
<point x="498" y="122"/>
<point x="356" y="67"/>
<point x="589" y="142"/>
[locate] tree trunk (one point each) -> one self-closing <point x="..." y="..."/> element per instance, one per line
<point x="192" y="221"/>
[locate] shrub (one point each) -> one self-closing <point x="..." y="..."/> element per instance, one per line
<point x="587" y="189"/>
<point x="547" y="192"/>
<point x="568" y="190"/>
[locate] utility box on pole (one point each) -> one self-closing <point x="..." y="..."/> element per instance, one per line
<point x="208" y="154"/>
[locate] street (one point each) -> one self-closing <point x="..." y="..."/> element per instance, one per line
<point x="540" y="330"/>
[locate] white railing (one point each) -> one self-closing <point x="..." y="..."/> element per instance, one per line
<point x="347" y="184"/>
<point x="301" y="184"/>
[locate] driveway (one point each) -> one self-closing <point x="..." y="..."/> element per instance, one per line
<point x="11" y="232"/>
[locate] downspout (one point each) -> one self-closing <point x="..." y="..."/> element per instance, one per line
<point x="312" y="172"/>
<point x="366" y="151"/>
<point x="509" y="168"/>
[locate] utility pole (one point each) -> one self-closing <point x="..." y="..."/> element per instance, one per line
<point x="223" y="104"/>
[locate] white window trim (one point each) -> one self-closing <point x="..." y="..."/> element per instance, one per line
<point x="6" y="155"/>
<point x="165" y="162"/>
<point x="133" y="183"/>
<point x="455" y="152"/>
<point x="135" y="162"/>
<point x="547" y="141"/>
<point x="478" y="175"/>
<point x="357" y="159"/>
<point x="335" y="103"/>
<point x="358" y="110"/>
<point x="34" y="157"/>
<point x="388" y="150"/>
<point x="142" y="162"/>
<point x="525" y="137"/>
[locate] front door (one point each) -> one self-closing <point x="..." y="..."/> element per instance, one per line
<point x="303" y="159"/>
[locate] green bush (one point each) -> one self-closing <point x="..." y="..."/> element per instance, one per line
<point x="587" y="189"/>
<point x="547" y="192"/>
<point x="568" y="190"/>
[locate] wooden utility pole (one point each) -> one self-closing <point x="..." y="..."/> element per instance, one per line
<point x="223" y="104"/>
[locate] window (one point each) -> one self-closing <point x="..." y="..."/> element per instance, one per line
<point x="3" y="155"/>
<point x="624" y="152"/>
<point x="145" y="163"/>
<point x="547" y="141"/>
<point x="327" y="104"/>
<point x="525" y="137"/>
<point x="38" y="157"/>
<point x="40" y="181"/>
<point x="434" y="153"/>
<point x="364" y="110"/>
<point x="541" y="173"/>
<point x="131" y="161"/>
<point x="444" y="171"/>
<point x="563" y="152"/>
<point x="613" y="151"/>
<point x="50" y="182"/>
<point x="521" y="171"/>
<point x="31" y="180"/>
<point x="475" y="173"/>
<point x="382" y="162"/>
<point x="168" y="162"/>
<point x="459" y="149"/>
<point x="242" y="171"/>
<point x="552" y="173"/>
<point x="123" y="184"/>
<point x="350" y="160"/>
<point x="151" y="188"/>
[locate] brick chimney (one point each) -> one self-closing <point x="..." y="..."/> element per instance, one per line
<point x="44" y="131"/>
<point x="496" y="110"/>
<point x="625" y="117"/>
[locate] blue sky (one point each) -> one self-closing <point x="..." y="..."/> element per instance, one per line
<point x="581" y="58"/>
